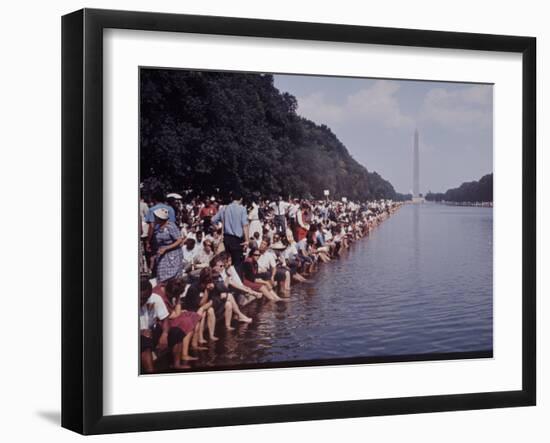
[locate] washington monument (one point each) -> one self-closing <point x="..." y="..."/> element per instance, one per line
<point x="416" y="171"/>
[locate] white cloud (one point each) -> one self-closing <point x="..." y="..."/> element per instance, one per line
<point x="316" y="107"/>
<point x="376" y="104"/>
<point x="461" y="109"/>
<point x="379" y="103"/>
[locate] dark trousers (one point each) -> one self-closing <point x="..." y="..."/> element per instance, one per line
<point x="234" y="248"/>
<point x="280" y="223"/>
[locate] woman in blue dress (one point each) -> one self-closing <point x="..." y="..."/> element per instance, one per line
<point x="167" y="243"/>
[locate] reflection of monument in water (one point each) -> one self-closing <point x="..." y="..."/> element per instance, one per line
<point x="417" y="196"/>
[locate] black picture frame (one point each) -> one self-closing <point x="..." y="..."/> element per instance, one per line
<point x="82" y="229"/>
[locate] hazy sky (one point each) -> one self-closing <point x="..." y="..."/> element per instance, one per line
<point x="376" y="119"/>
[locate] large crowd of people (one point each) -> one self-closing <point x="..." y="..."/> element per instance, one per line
<point x="202" y="261"/>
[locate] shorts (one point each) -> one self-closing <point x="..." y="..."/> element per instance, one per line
<point x="280" y="274"/>
<point x="264" y="275"/>
<point x="150" y="343"/>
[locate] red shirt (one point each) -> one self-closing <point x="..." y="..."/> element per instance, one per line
<point x="207" y="211"/>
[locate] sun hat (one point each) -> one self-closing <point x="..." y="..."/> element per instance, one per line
<point x="278" y="245"/>
<point x="161" y="213"/>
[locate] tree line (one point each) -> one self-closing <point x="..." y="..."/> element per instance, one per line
<point x="474" y="191"/>
<point x="216" y="132"/>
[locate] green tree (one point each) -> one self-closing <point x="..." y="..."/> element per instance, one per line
<point x="211" y="130"/>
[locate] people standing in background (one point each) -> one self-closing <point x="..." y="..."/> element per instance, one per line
<point x="144" y="255"/>
<point x="158" y="201"/>
<point x="254" y="218"/>
<point x="206" y="215"/>
<point x="143" y="208"/>
<point x="280" y="208"/>
<point x="302" y="227"/>
<point x="234" y="219"/>
<point x="168" y="258"/>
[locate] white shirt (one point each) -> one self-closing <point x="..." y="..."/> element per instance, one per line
<point x="292" y="210"/>
<point x="183" y="232"/>
<point x="151" y="311"/>
<point x="268" y="260"/>
<point x="253" y="214"/>
<point x="302" y="245"/>
<point x="189" y="255"/>
<point x="143" y="209"/>
<point x="280" y="208"/>
<point x="201" y="257"/>
<point x="290" y="251"/>
<point x="198" y="245"/>
<point x="233" y="275"/>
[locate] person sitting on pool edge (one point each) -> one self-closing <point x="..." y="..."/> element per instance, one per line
<point x="154" y="325"/>
<point x="243" y="294"/>
<point x="253" y="281"/>
<point x="268" y="269"/>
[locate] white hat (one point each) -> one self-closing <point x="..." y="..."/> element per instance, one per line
<point x="161" y="213"/>
<point x="278" y="245"/>
<point x="174" y="195"/>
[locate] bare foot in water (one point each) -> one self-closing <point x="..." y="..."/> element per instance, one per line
<point x="214" y="338"/>
<point x="229" y="328"/>
<point x="199" y="348"/>
<point x="245" y="319"/>
<point x="189" y="358"/>
<point x="202" y="341"/>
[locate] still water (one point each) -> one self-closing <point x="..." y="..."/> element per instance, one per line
<point x="420" y="283"/>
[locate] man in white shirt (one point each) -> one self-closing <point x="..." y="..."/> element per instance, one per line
<point x="189" y="252"/>
<point x="280" y="208"/>
<point x="204" y="255"/>
<point x="267" y="268"/>
<point x="153" y="324"/>
<point x="199" y="239"/>
<point x="267" y="262"/>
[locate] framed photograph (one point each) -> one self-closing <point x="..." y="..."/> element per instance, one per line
<point x="269" y="221"/>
